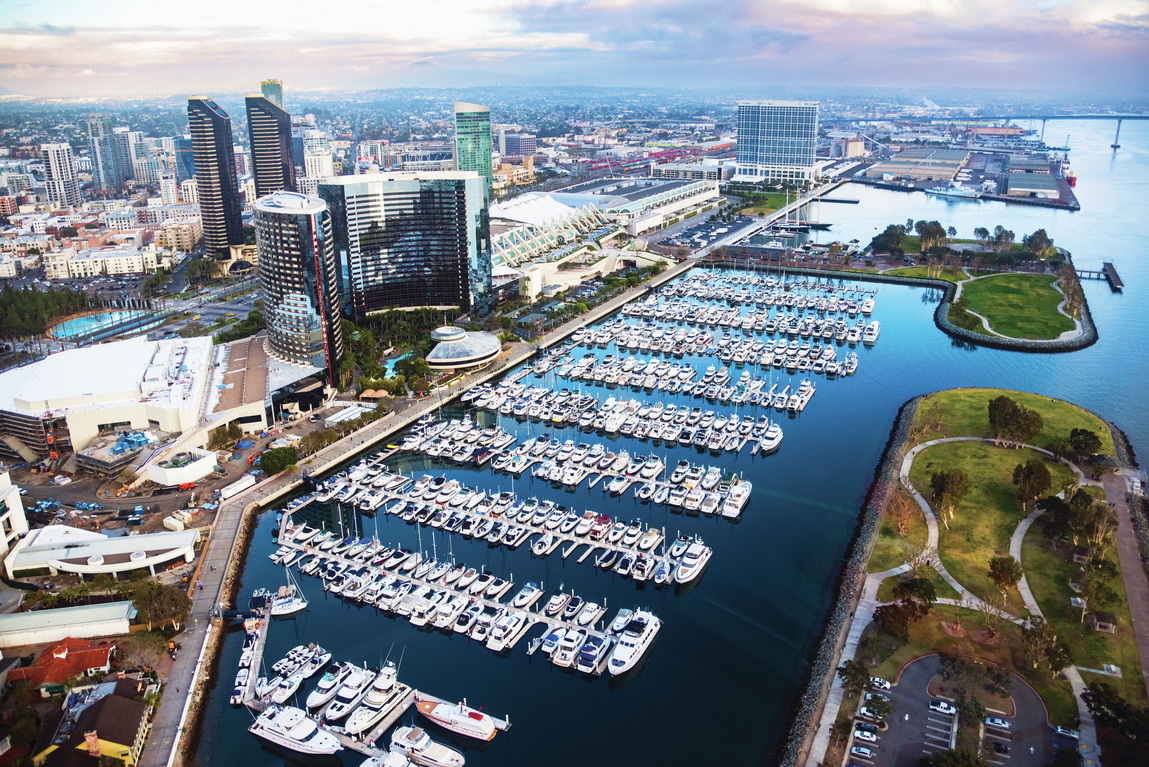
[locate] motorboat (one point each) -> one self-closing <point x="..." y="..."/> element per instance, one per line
<point x="459" y="718"/>
<point x="556" y="603"/>
<point x="526" y="595"/>
<point x="417" y="745"/>
<point x="350" y="694"/>
<point x="329" y="684"/>
<point x="385" y="694"/>
<point x="591" y="654"/>
<point x="290" y="728"/>
<point x="566" y="653"/>
<point x="693" y="561"/>
<point x="736" y="499"/>
<point x="635" y="639"/>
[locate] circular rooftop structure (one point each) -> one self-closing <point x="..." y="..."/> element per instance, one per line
<point x="458" y="349"/>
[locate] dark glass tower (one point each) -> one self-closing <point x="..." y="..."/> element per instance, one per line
<point x="214" y="155"/>
<point x="269" y="129"/>
<point x="412" y="240"/>
<point x="298" y="275"/>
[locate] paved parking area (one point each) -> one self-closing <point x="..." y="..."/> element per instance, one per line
<point x="913" y="730"/>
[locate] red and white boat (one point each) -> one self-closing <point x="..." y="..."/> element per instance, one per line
<point x="458" y="717"/>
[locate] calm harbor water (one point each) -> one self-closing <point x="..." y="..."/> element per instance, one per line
<point x="716" y="686"/>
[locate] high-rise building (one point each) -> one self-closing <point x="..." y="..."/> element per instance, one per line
<point x="269" y="130"/>
<point x="519" y="143"/>
<point x="299" y="278"/>
<point x="777" y="140"/>
<point x="242" y="160"/>
<point x="60" y="166"/>
<point x="317" y="160"/>
<point x="168" y="190"/>
<point x="412" y="240"/>
<point x="215" y="174"/>
<point x="272" y="90"/>
<point x="185" y="158"/>
<point x="189" y="191"/>
<point x="110" y="152"/>
<point x="473" y="139"/>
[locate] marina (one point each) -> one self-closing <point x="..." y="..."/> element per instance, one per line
<point x="742" y="620"/>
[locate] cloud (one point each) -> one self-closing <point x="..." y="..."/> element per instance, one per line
<point x="230" y="46"/>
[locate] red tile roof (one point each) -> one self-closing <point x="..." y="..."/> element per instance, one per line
<point x="68" y="657"/>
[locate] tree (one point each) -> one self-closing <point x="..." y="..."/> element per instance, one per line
<point x="918" y="594"/>
<point x="1032" y="479"/>
<point x="879" y="707"/>
<point x="1095" y="589"/>
<point x="951" y="232"/>
<point x="278" y="459"/>
<point x="1011" y="423"/>
<point x="895" y="619"/>
<point x="1035" y="639"/>
<point x="1059" y="655"/>
<point x="1084" y="443"/>
<point x="1038" y="243"/>
<point x="1110" y="709"/>
<point x="1002" y="238"/>
<point x="981" y="234"/>
<point x="855" y="677"/>
<point x="840" y="731"/>
<point x="949" y="487"/>
<point x="1005" y="572"/>
<point x="902" y="510"/>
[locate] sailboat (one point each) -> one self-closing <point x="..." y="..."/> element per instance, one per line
<point x="289" y="600"/>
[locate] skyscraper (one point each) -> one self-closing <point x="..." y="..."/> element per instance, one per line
<point x="777" y="140"/>
<point x="269" y="129"/>
<point x="60" y="166"/>
<point x="412" y="240"/>
<point x="298" y="274"/>
<point x="473" y="139"/>
<point x="215" y="176"/>
<point x="185" y="158"/>
<point x="273" y="91"/>
<point x="111" y="153"/>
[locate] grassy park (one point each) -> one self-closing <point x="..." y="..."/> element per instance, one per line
<point x="982" y="525"/>
<point x="1018" y="305"/>
<point x="924" y="272"/>
<point x="763" y="204"/>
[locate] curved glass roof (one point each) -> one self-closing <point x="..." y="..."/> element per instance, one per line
<point x="465" y="350"/>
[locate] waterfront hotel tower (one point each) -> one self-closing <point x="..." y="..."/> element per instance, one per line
<point x="272" y="159"/>
<point x="776" y="141"/>
<point x="473" y="139"/>
<point x="409" y="240"/>
<point x="216" y="183"/>
<point x="298" y="275"/>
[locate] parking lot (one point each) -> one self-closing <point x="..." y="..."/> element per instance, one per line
<point x="706" y="233"/>
<point x="1021" y="737"/>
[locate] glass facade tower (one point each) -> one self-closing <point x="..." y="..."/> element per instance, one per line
<point x="297" y="273"/>
<point x="273" y="91"/>
<point x="409" y="240"/>
<point x="473" y="139"/>
<point x="269" y="130"/>
<point x="111" y="153"/>
<point x="216" y="181"/>
<point x="777" y="140"/>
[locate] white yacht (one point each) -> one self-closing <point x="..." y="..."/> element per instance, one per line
<point x="459" y="718"/>
<point x="290" y="728"/>
<point x="417" y="745"/>
<point x="328" y="685"/>
<point x="696" y="556"/>
<point x="385" y="694"/>
<point x="635" y="640"/>
<point x="736" y="499"/>
<point x="349" y="695"/>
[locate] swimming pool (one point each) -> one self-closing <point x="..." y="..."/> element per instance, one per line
<point x="86" y="324"/>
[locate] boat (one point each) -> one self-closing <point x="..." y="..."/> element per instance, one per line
<point x="290" y="728"/>
<point x="954" y="189"/>
<point x="696" y="556"/>
<point x="526" y="595"/>
<point x="328" y="685"/>
<point x="459" y="718"/>
<point x="566" y="653"/>
<point x="736" y="499"/>
<point x="590" y="656"/>
<point x="556" y="603"/>
<point x="354" y="688"/>
<point x="635" y="640"/>
<point x="385" y="694"/>
<point x="417" y="745"/>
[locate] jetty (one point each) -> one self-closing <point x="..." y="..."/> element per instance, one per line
<point x="1107" y="272"/>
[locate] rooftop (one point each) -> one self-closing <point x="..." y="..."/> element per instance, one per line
<point x="66" y="616"/>
<point x="460" y="349"/>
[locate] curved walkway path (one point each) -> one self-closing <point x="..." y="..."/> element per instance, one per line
<point x="1078" y="328"/>
<point x="868" y="603"/>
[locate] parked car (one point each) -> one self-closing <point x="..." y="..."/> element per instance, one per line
<point x="1000" y="747"/>
<point x="876" y="696"/>
<point x="864" y="711"/>
<point x="862" y="751"/>
<point x="865" y="727"/>
<point x="1067" y="732"/>
<point x="865" y="737"/>
<point x="941" y="707"/>
<point x="995" y="721"/>
<point x="878" y="683"/>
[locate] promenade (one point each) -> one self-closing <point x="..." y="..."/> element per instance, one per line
<point x="219" y="570"/>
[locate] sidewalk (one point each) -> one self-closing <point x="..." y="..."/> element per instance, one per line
<point x="1132" y="569"/>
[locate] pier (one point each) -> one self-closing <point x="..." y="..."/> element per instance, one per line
<point x="1107" y="272"/>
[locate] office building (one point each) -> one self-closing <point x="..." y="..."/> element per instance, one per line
<point x="242" y="160"/>
<point x="168" y="195"/>
<point x="777" y="140"/>
<point x="218" y="190"/>
<point x="63" y="188"/>
<point x="111" y="153"/>
<point x="473" y="139"/>
<point x="269" y="130"/>
<point x="184" y="158"/>
<point x="189" y="192"/>
<point x="272" y="90"/>
<point x="519" y="144"/>
<point x="408" y="240"/>
<point x="298" y="274"/>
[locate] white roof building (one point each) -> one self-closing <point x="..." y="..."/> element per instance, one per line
<point x="59" y="548"/>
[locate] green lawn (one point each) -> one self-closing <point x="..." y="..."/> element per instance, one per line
<point x="987" y="516"/>
<point x="943" y="589"/>
<point x="927" y="636"/>
<point x="921" y="271"/>
<point x="967" y="415"/>
<point x="1018" y="305"/>
<point x="890" y="549"/>
<point x="774" y="201"/>
<point x="1048" y="574"/>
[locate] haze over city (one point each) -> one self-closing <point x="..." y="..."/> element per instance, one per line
<point x="124" y="47"/>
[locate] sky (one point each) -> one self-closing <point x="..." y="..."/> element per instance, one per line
<point x="127" y="47"/>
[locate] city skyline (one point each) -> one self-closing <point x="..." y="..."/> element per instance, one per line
<point x="76" y="49"/>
